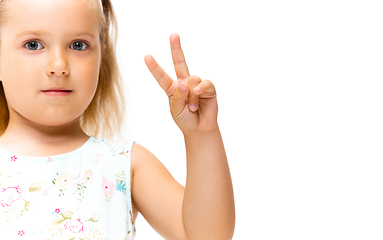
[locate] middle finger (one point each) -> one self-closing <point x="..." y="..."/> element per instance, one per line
<point x="180" y="66"/>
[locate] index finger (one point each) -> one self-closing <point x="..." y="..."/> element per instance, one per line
<point x="180" y="66"/>
<point x="163" y="79"/>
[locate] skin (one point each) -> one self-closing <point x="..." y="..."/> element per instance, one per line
<point x="39" y="120"/>
<point x="204" y="209"/>
<point x="42" y="126"/>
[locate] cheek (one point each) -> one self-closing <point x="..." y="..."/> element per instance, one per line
<point x="21" y="96"/>
<point x="19" y="85"/>
<point x="20" y="69"/>
<point x="19" y="82"/>
<point x="86" y="77"/>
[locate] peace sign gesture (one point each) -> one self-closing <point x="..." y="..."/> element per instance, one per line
<point x="193" y="102"/>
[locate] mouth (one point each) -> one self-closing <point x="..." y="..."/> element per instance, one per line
<point x="57" y="92"/>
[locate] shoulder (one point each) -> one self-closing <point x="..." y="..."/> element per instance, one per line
<point x="146" y="167"/>
<point x="156" y="193"/>
<point x="142" y="158"/>
<point x="140" y="153"/>
<point x="139" y="156"/>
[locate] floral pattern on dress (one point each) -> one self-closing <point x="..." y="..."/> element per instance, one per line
<point x="130" y="222"/>
<point x="100" y="155"/>
<point x="67" y="182"/>
<point x="23" y="196"/>
<point x="108" y="187"/>
<point x="15" y="199"/>
<point x="120" y="182"/>
<point x="68" y="225"/>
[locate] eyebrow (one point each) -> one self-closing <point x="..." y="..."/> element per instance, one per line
<point x="42" y="33"/>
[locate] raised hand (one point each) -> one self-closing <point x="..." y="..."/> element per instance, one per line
<point x="193" y="102"/>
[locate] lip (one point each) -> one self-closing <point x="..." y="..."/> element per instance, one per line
<point x="57" y="91"/>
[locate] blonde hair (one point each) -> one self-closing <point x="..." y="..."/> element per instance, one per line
<point x="105" y="115"/>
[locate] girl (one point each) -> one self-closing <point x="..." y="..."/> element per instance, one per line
<point x="60" y="94"/>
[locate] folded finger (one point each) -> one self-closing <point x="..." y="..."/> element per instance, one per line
<point x="205" y="89"/>
<point x="179" y="98"/>
<point x="193" y="82"/>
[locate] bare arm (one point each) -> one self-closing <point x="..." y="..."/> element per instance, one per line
<point x="204" y="209"/>
<point x="208" y="206"/>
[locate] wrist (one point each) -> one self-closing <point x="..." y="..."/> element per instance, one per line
<point x="201" y="133"/>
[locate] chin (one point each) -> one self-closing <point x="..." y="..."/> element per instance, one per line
<point x="56" y="121"/>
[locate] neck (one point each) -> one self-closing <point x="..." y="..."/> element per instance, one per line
<point x="30" y="132"/>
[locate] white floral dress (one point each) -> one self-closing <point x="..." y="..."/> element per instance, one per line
<point x="83" y="194"/>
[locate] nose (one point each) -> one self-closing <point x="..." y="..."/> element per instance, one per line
<point x="58" y="63"/>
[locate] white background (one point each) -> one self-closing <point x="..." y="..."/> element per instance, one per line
<point x="300" y="94"/>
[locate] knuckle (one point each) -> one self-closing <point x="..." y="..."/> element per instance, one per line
<point x="208" y="82"/>
<point x="194" y="79"/>
<point x="209" y="86"/>
<point x="161" y="75"/>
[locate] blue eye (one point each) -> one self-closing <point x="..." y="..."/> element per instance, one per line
<point x="79" y="46"/>
<point x="33" y="45"/>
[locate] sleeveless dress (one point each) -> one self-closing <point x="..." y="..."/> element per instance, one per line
<point x="84" y="194"/>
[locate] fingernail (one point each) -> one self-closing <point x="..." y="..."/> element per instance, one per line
<point x="182" y="87"/>
<point x="197" y="90"/>
<point x="192" y="107"/>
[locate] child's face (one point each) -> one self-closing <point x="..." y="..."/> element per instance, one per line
<point x="44" y="45"/>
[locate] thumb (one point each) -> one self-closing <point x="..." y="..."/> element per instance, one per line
<point x="179" y="99"/>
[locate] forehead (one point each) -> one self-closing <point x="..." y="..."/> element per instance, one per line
<point x="54" y="16"/>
